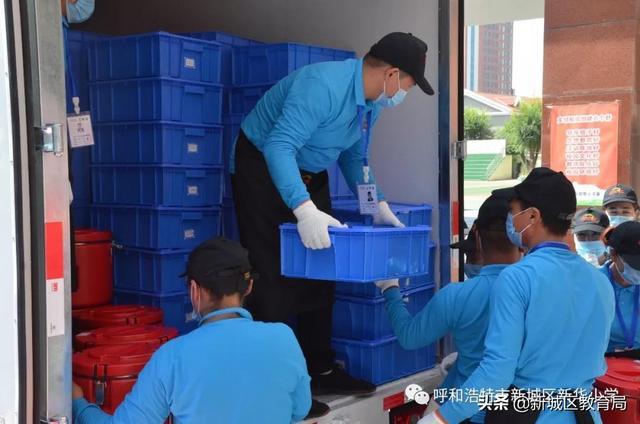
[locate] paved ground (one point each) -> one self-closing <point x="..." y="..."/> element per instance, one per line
<point x="475" y="192"/>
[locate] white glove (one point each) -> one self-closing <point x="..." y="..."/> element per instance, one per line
<point x="386" y="217"/>
<point x="387" y="284"/>
<point x="432" y="418"/>
<point x="447" y="362"/>
<point x="313" y="225"/>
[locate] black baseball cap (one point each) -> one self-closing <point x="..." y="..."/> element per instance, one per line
<point x="590" y="219"/>
<point x="547" y="190"/>
<point x="467" y="245"/>
<point x="493" y="214"/>
<point x="625" y="240"/>
<point x="407" y="52"/>
<point x="619" y="193"/>
<point x="218" y="260"/>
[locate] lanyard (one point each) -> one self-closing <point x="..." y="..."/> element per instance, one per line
<point x="365" y="136"/>
<point x="556" y="244"/>
<point x="240" y="311"/>
<point x="629" y="333"/>
<point x="69" y="71"/>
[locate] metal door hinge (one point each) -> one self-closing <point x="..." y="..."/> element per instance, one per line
<point x="459" y="150"/>
<point x="51" y="140"/>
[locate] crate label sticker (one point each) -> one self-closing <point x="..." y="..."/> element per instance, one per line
<point x="80" y="129"/>
<point x="189" y="62"/>
<point x="192" y="148"/>
<point x="192" y="190"/>
<point x="55" y="307"/>
<point x="189" y="234"/>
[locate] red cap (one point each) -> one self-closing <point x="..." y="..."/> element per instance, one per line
<point x="114" y="315"/>
<point x="622" y="374"/>
<point x="125" y="334"/>
<point x="112" y="361"/>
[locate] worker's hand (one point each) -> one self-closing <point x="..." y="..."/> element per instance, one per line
<point x="386" y="217"/>
<point x="387" y="284"/>
<point x="447" y="362"/>
<point x="433" y="418"/>
<point x="77" y="392"/>
<point x="313" y="225"/>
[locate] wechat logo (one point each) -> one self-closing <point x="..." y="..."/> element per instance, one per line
<point x="414" y="392"/>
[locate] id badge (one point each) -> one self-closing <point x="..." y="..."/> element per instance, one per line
<point x="368" y="199"/>
<point x="80" y="129"/>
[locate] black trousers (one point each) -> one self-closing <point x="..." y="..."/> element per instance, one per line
<point x="260" y="210"/>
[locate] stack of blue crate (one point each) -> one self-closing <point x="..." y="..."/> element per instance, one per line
<point x="362" y="333"/>
<point x="77" y="72"/>
<point x="252" y="68"/>
<point x="157" y="173"/>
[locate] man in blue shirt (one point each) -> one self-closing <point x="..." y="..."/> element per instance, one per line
<point x="550" y="315"/>
<point x="623" y="272"/>
<point x="319" y="114"/>
<point x="229" y="370"/>
<point x="461" y="309"/>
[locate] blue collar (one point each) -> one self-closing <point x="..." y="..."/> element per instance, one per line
<point x="493" y="269"/>
<point x="240" y="311"/>
<point x="358" y="85"/>
<point x="545" y="244"/>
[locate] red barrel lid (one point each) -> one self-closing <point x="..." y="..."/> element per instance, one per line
<point x="114" y="315"/>
<point x="113" y="361"/>
<point x="622" y="374"/>
<point x="89" y="235"/>
<point x="125" y="334"/>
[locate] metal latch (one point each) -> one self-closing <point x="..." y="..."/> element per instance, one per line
<point x="459" y="151"/>
<point x="51" y="139"/>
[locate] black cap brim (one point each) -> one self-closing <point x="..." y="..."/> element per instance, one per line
<point x="466" y="245"/>
<point x="631" y="259"/>
<point x="588" y="227"/>
<point x="424" y="85"/>
<point x="508" y="193"/>
<point x="618" y="199"/>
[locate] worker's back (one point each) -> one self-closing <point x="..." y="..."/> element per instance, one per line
<point x="229" y="371"/>
<point x="568" y="308"/>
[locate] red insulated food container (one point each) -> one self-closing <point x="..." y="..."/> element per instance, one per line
<point x="125" y="334"/>
<point x="107" y="373"/>
<point x="623" y="374"/>
<point x="116" y="315"/>
<point x="93" y="267"/>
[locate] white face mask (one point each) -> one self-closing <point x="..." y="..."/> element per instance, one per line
<point x="195" y="314"/>
<point x="394" y="100"/>
<point x="630" y="274"/>
<point x="80" y="11"/>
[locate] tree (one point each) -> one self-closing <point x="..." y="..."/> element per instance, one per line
<point x="523" y="132"/>
<point x="477" y="125"/>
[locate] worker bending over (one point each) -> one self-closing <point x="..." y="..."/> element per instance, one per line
<point x="550" y="314"/>
<point x="461" y="309"/>
<point x="229" y="370"/>
<point x="623" y="272"/>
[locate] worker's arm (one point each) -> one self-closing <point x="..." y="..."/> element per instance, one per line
<point x="147" y="403"/>
<point x="351" y="162"/>
<point x="503" y="344"/>
<point x="434" y="321"/>
<point x="307" y="106"/>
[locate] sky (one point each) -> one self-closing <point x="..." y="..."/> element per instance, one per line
<point x="528" y="42"/>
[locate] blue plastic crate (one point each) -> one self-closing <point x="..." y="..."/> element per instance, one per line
<point x="155" y="272"/>
<point x="371" y="291"/>
<point x="78" y="43"/>
<point x="410" y="215"/>
<point x="157" y="228"/>
<point x="357" y="254"/>
<point x="156" y="54"/>
<point x="244" y="98"/>
<point x="176" y="308"/>
<point x="80" y="173"/>
<point x="338" y="186"/>
<point x="157" y="185"/>
<point x="231" y="131"/>
<point x="382" y="361"/>
<point x="366" y="319"/>
<point x="80" y="214"/>
<point x="159" y="143"/>
<point x="156" y="99"/>
<point x="271" y="62"/>
<point x="229" y="221"/>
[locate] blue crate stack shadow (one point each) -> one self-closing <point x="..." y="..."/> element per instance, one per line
<point x="166" y="110"/>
